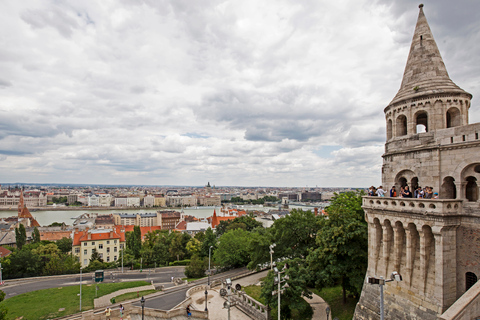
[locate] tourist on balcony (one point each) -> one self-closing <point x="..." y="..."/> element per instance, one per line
<point x="407" y="193"/>
<point x="380" y="192"/>
<point x="393" y="192"/>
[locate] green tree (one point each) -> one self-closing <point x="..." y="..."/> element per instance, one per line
<point x="292" y="297"/>
<point x="95" y="256"/>
<point x="193" y="246"/>
<point x="209" y="241"/>
<point x="197" y="267"/>
<point x="20" y="236"/>
<point x="232" y="250"/>
<point x="65" y="245"/>
<point x="22" y="263"/>
<point x="295" y="234"/>
<point x="134" y="241"/>
<point x="36" y="235"/>
<point x="259" y="247"/>
<point x="342" y="252"/>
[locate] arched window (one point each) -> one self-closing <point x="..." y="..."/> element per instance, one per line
<point x="401" y="126"/>
<point x="402" y="181"/>
<point x="471" y="190"/>
<point x="453" y="118"/>
<point x="389" y="129"/>
<point x="421" y="122"/>
<point x="414" y="184"/>
<point x="448" y="190"/>
<point x="470" y="280"/>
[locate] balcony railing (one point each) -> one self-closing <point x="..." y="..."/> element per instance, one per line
<point x="440" y="207"/>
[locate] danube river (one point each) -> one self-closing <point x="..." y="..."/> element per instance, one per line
<point x="46" y="217"/>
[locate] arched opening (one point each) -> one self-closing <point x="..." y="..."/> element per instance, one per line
<point x="414" y="184"/>
<point x="403" y="182"/>
<point x="471" y="190"/>
<point x="389" y="129"/>
<point x="470" y="280"/>
<point x="401" y="125"/>
<point x="421" y="122"/>
<point x="453" y="118"/>
<point x="448" y="189"/>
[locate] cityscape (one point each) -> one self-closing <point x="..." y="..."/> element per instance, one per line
<point x="217" y="160"/>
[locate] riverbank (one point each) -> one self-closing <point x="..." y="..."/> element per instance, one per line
<point x="73" y="208"/>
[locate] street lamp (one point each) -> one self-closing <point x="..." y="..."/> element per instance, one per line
<point x="80" y="288"/>
<point x="271" y="255"/>
<point x="142" y="301"/>
<point x="395" y="276"/>
<point x="327" y="310"/>
<point x="278" y="280"/>
<point x="208" y="282"/>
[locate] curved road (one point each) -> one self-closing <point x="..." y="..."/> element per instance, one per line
<point x="160" y="276"/>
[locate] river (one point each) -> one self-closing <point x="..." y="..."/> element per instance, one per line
<point x="47" y="217"/>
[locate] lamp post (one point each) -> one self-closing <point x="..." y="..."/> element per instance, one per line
<point x="271" y="255"/>
<point x="278" y="280"/>
<point x="142" y="301"/>
<point x="80" y="288"/>
<point x="327" y="310"/>
<point x="395" y="276"/>
<point x="122" y="260"/>
<point x="208" y="281"/>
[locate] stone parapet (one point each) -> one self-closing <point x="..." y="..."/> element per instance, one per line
<point x="436" y="207"/>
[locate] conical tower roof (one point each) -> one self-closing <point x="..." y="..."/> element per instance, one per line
<point x="425" y="72"/>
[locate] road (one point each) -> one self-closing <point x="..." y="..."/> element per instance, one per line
<point x="170" y="299"/>
<point x="160" y="276"/>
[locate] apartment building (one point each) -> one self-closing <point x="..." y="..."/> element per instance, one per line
<point x="107" y="242"/>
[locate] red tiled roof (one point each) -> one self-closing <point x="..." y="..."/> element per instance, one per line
<point x="54" y="235"/>
<point x="4" y="252"/>
<point x="143" y="230"/>
<point x="80" y="236"/>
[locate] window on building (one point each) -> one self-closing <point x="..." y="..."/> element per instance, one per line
<point x="84" y="243"/>
<point x="114" y="258"/>
<point x="108" y="259"/>
<point x="121" y="246"/>
<point x="108" y="242"/>
<point x="77" y="250"/>
<point x="115" y="241"/>
<point x="114" y="249"/>
<point x="108" y="249"/>
<point x="100" y="246"/>
<point x="101" y="255"/>
<point x="85" y="252"/>
<point x="93" y="243"/>
<point x="85" y="261"/>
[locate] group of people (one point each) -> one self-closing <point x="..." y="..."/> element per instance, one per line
<point x="405" y="192"/>
<point x="108" y="312"/>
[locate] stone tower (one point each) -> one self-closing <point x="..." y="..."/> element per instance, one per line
<point x="433" y="243"/>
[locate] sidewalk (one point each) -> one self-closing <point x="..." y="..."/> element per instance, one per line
<point x="104" y="301"/>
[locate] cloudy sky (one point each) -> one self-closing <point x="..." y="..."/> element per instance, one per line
<point x="246" y="93"/>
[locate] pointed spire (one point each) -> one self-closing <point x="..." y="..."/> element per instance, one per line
<point x="425" y="72"/>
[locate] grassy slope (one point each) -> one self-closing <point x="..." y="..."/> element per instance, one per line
<point x="333" y="296"/>
<point x="44" y="304"/>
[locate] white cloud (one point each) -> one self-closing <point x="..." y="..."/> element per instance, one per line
<point x="236" y="93"/>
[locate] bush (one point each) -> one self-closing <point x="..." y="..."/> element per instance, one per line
<point x="180" y="263"/>
<point x="196" y="268"/>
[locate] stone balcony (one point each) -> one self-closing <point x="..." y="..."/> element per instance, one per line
<point x="437" y="207"/>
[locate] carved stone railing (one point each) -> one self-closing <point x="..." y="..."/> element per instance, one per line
<point x="250" y="306"/>
<point x="438" y="207"/>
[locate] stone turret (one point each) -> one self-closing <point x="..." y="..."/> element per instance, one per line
<point x="428" y="241"/>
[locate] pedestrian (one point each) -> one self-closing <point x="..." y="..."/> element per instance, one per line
<point x="380" y="192"/>
<point x="393" y="192"/>
<point x="121" y="311"/>
<point x="435" y="195"/>
<point x="189" y="313"/>
<point x="407" y="193"/>
<point x="108" y="313"/>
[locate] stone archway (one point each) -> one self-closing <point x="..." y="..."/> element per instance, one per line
<point x="453" y="117"/>
<point x="471" y="189"/>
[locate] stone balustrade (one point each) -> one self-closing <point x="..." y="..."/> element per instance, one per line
<point x="249" y="305"/>
<point x="438" y="207"/>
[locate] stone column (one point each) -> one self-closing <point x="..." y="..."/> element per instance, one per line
<point x="398" y="245"/>
<point x="374" y="245"/>
<point x="411" y="251"/>
<point x="423" y="259"/>
<point x="387" y="244"/>
<point x="461" y="185"/>
<point x="445" y="267"/>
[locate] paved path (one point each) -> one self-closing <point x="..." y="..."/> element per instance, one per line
<point x="104" y="301"/>
<point x="319" y="305"/>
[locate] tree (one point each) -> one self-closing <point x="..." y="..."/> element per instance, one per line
<point x="244" y="222"/>
<point x="232" y="251"/>
<point x="197" y="267"/>
<point x="342" y="253"/>
<point x="20" y="236"/>
<point x="95" y="256"/>
<point x="36" y="235"/>
<point x="134" y="241"/>
<point x="65" y="245"/>
<point x="209" y="241"/>
<point x="258" y="246"/>
<point x="292" y="297"/>
<point x="295" y="234"/>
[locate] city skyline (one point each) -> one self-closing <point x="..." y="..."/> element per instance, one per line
<point x="179" y="93"/>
